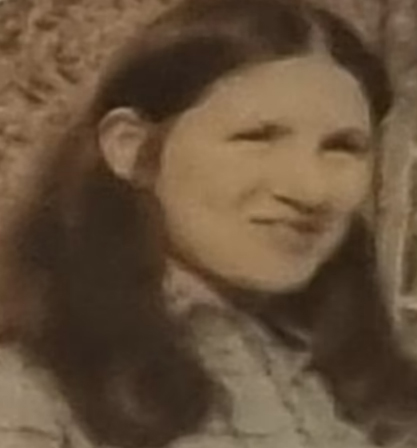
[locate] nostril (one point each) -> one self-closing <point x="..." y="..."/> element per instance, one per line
<point x="302" y="180"/>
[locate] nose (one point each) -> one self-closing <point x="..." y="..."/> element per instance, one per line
<point x="301" y="183"/>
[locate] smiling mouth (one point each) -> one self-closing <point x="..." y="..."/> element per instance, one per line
<point x="303" y="227"/>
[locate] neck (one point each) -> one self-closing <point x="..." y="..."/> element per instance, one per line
<point x="186" y="287"/>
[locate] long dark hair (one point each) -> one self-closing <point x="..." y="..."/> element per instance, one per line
<point x="86" y="258"/>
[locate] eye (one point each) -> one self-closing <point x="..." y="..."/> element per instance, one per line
<point x="348" y="143"/>
<point x="267" y="132"/>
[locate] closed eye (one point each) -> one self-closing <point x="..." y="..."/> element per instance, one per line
<point x="355" y="143"/>
<point x="264" y="133"/>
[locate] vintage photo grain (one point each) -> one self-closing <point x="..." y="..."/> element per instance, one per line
<point x="208" y="233"/>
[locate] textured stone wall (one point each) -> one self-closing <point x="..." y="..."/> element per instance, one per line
<point x="50" y="53"/>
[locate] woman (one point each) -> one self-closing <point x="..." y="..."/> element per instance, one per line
<point x="194" y="268"/>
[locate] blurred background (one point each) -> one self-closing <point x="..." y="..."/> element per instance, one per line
<point x="52" y="50"/>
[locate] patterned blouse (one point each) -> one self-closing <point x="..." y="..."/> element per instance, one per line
<point x="274" y="400"/>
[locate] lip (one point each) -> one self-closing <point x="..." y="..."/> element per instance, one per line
<point x="302" y="226"/>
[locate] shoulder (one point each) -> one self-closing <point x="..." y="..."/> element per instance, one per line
<point x="30" y="411"/>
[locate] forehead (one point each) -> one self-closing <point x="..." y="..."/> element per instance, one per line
<point x="305" y="89"/>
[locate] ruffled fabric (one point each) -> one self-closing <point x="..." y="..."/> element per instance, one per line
<point x="29" y="416"/>
<point x="268" y="397"/>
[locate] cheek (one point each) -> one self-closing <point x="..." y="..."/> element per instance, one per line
<point x="207" y="176"/>
<point x="350" y="187"/>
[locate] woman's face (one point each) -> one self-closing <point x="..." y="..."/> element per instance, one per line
<point x="260" y="179"/>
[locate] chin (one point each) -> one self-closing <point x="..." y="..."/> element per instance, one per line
<point x="274" y="280"/>
<point x="277" y="285"/>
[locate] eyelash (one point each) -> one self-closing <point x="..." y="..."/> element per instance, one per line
<point x="261" y="134"/>
<point x="269" y="133"/>
<point x="346" y="146"/>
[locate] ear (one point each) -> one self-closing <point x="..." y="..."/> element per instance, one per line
<point x="121" y="135"/>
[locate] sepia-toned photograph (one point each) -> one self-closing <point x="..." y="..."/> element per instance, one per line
<point x="208" y="223"/>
